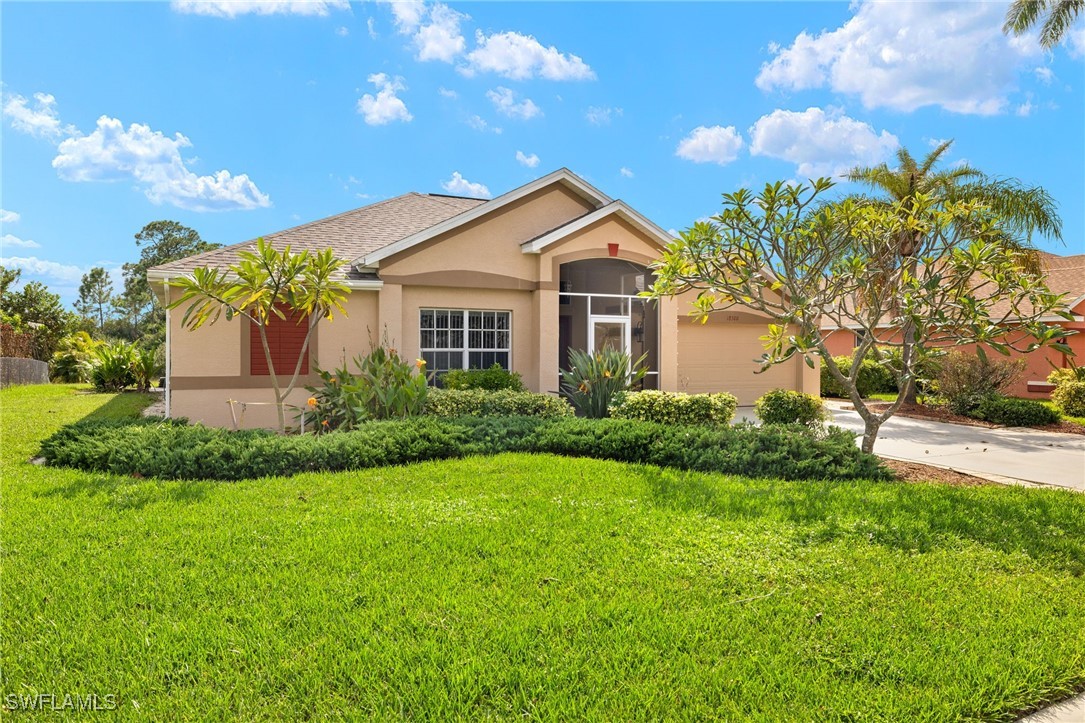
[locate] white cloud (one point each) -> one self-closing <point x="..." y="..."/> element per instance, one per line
<point x="714" y="144"/>
<point x="61" y="278"/>
<point x="935" y="142"/>
<point x="10" y="240"/>
<point x="8" y="216"/>
<point x="479" y="124"/>
<point x="434" y="29"/>
<point x="907" y="55"/>
<point x="460" y="186"/>
<point x="820" y="143"/>
<point x="440" y="38"/>
<point x="504" y="100"/>
<point x="233" y="8"/>
<point x="384" y="107"/>
<point x="526" y="160"/>
<point x="371" y="26"/>
<point x="446" y="93"/>
<point x="153" y="161"/>
<point x="627" y="173"/>
<point x="1025" y="109"/>
<point x="1044" y="74"/>
<point x="601" y="116"/>
<point x="40" y="121"/>
<point x="342" y="31"/>
<point x="520" y="57"/>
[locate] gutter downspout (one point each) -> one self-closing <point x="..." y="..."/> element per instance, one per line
<point x="166" y="286"/>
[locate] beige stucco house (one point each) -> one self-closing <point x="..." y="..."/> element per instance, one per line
<point x="517" y="280"/>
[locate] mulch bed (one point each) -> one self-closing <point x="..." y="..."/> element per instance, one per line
<point x="912" y="472"/>
<point x="941" y="414"/>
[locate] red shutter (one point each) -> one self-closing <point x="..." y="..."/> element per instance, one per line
<point x="284" y="338"/>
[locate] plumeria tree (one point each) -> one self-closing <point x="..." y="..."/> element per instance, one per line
<point x="266" y="284"/>
<point x="799" y="261"/>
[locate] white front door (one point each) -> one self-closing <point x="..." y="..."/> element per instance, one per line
<point x="612" y="331"/>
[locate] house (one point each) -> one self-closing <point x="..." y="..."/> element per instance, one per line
<point x="1065" y="275"/>
<point x="463" y="283"/>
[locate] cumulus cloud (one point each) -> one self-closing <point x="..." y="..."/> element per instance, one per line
<point x="342" y="31"/>
<point x="385" y="106"/>
<point x="601" y="115"/>
<point x="715" y="144"/>
<point x="504" y="100"/>
<point x="153" y="160"/>
<point x="479" y="124"/>
<point x="446" y="93"/>
<point x="520" y="57"/>
<point x="526" y="160"/>
<point x="371" y="26"/>
<point x="905" y="56"/>
<point x="8" y="240"/>
<point x="626" y="173"/>
<point x="460" y="186"/>
<point x="8" y="216"/>
<point x="61" y="278"/>
<point x="434" y="29"/>
<point x="233" y="8"/>
<point x="819" y="143"/>
<point x="38" y="118"/>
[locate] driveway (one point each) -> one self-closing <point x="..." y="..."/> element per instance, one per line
<point x="1047" y="458"/>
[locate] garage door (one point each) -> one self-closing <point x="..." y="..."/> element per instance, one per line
<point x="720" y="358"/>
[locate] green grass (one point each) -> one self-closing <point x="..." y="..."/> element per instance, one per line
<point x="538" y="587"/>
<point x="1067" y="417"/>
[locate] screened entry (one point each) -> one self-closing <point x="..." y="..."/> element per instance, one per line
<point x="599" y="307"/>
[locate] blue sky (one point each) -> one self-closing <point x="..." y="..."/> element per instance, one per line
<point x="243" y="118"/>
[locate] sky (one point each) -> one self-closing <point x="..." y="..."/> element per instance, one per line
<point x="241" y="118"/>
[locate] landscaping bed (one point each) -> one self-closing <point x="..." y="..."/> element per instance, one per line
<point x="530" y="586"/>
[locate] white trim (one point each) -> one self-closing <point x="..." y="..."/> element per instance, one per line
<point x="169" y="365"/>
<point x="615" y="208"/>
<point x="562" y="175"/>
<point x="352" y="284"/>
<point x="1050" y="319"/>
<point x="467" y="348"/>
<point x="623" y="319"/>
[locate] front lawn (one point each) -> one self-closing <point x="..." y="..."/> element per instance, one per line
<point x="523" y="586"/>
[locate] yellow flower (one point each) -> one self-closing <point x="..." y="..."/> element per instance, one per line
<point x="420" y="363"/>
<point x="583" y="387"/>
<point x="312" y="401"/>
<point x="606" y="373"/>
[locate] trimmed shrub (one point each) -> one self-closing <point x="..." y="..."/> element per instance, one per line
<point x="493" y="379"/>
<point x="969" y="379"/>
<point x="504" y="403"/>
<point x="674" y="408"/>
<point x="1014" y="412"/>
<point x="1069" y="396"/>
<point x="175" y="451"/>
<point x="874" y="378"/>
<point x="783" y="406"/>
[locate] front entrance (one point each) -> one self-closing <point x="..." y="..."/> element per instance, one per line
<point x="600" y="306"/>
<point x="608" y="331"/>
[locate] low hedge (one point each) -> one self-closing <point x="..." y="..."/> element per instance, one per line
<point x="674" y="408"/>
<point x="502" y="403"/>
<point x="1014" y="412"/>
<point x="1069" y="396"/>
<point x="176" y="451"/>
<point x="783" y="406"/>
<point x="493" y="379"/>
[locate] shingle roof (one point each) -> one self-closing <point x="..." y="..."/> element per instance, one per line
<point x="350" y="235"/>
<point x="1065" y="275"/>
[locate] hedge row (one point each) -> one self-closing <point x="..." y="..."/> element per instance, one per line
<point x="177" y="451"/>
<point x="674" y="407"/>
<point x="501" y="403"/>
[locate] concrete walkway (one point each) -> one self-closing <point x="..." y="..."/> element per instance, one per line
<point x="1007" y="454"/>
<point x="1071" y="710"/>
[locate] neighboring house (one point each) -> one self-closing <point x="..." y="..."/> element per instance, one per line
<point x="1065" y="275"/>
<point x="464" y="283"/>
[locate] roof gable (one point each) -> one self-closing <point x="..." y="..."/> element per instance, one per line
<point x="563" y="176"/>
<point x="614" y="209"/>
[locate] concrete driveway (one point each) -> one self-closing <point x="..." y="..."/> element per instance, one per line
<point x="1008" y="454"/>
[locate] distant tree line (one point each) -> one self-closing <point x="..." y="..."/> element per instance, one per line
<point x="131" y="313"/>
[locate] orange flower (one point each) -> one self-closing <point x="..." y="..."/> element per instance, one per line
<point x="325" y="422"/>
<point x="583" y="387"/>
<point x="312" y="401"/>
<point x="420" y="363"/>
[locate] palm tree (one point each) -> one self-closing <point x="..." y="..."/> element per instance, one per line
<point x="1023" y="210"/>
<point x="1023" y="14"/>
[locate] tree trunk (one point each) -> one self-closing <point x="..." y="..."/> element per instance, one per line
<point x="274" y="379"/>
<point x="909" y="361"/>
<point x="870" y="435"/>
